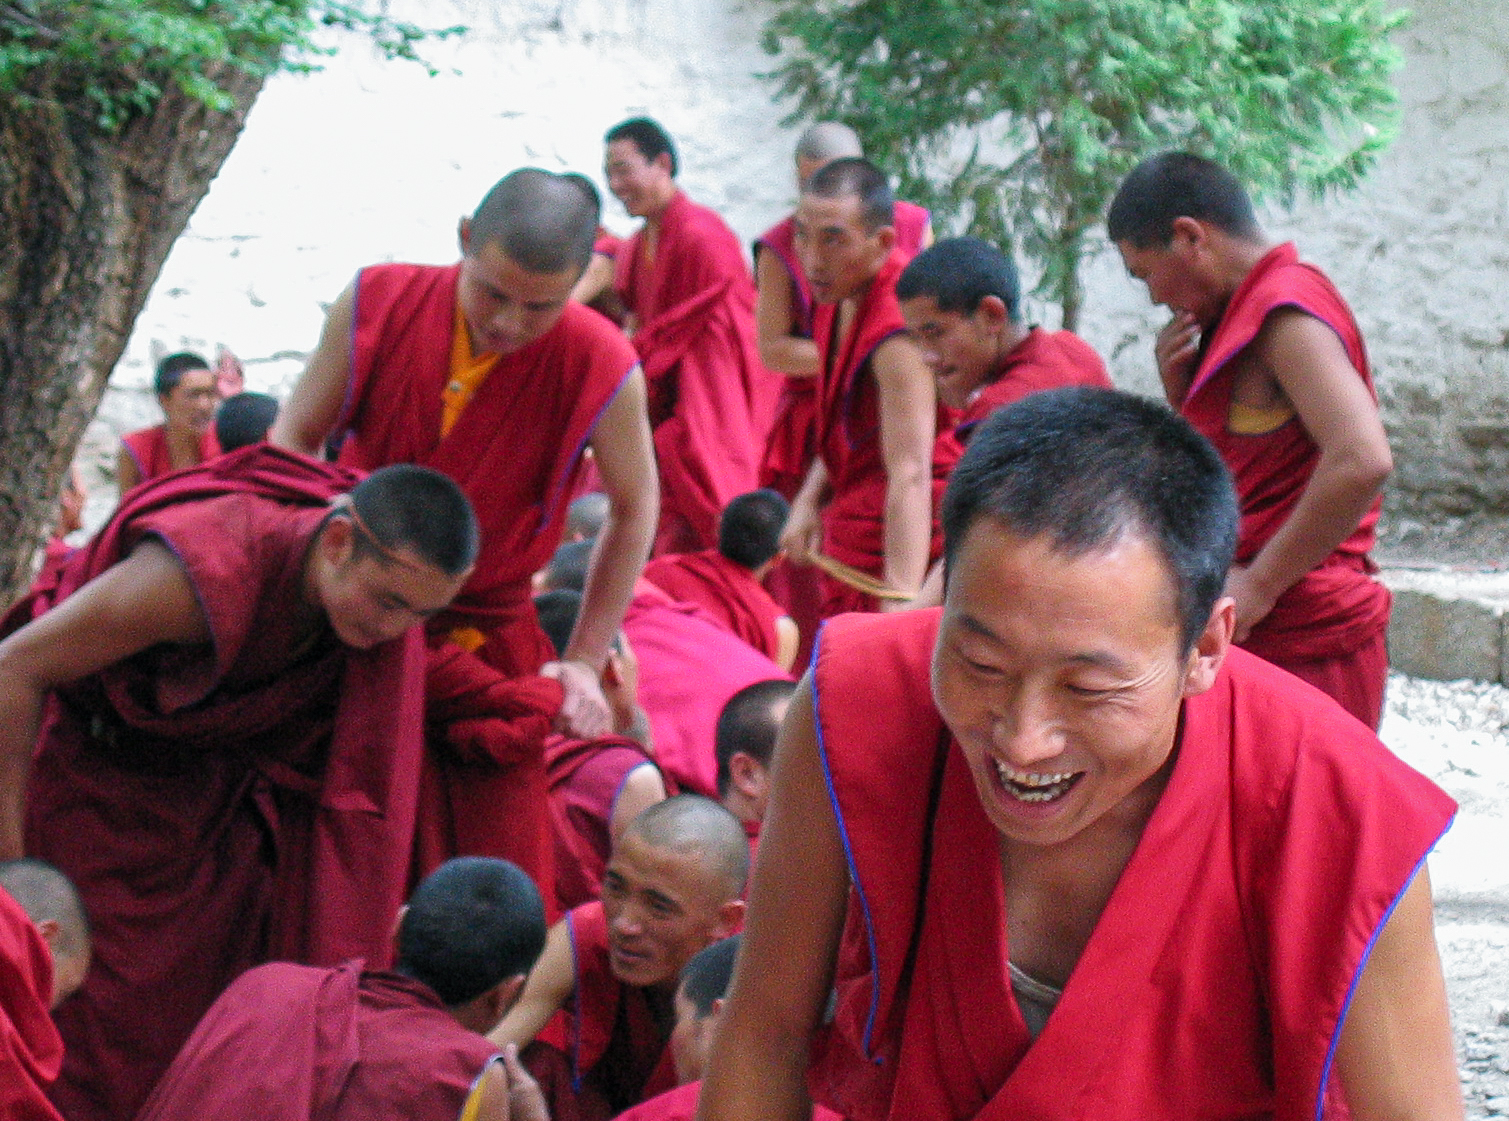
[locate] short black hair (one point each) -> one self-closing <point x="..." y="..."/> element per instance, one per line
<point x="568" y="567"/>
<point x="244" y="419"/>
<point x="854" y="175"/>
<point x="171" y="369"/>
<point x="1178" y="185"/>
<point x="648" y="136"/>
<point x="749" y="531"/>
<point x="959" y="272"/>
<point x="558" y="610"/>
<point x="747" y="724"/>
<point x="705" y="978"/>
<point x="405" y="506"/>
<point x="472" y="923"/>
<point x="1084" y="466"/>
<point x="544" y="222"/>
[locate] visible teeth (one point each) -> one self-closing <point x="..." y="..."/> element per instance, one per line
<point x="1027" y="778"/>
<point x="1028" y="787"/>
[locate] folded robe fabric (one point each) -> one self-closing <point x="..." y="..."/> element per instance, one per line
<point x="31" y="1051"/>
<point x="726" y="591"/>
<point x="1043" y="360"/>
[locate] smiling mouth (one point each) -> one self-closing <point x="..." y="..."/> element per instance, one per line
<point x="1028" y="786"/>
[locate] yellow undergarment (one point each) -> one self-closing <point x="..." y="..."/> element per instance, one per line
<point x="468" y="372"/>
<point x="1251" y="420"/>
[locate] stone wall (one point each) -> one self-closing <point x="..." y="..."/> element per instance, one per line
<point x="370" y="161"/>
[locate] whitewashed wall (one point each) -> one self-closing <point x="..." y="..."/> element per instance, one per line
<point x="369" y="161"/>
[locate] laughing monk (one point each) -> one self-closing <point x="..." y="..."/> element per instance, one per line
<point x="485" y="370"/>
<point x="1208" y="897"/>
<point x="609" y="972"/>
<point x="691" y="306"/>
<point x="228" y="686"/>
<point x="869" y="498"/>
<point x="1264" y="358"/>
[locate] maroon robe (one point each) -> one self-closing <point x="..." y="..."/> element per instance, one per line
<point x="218" y="806"/>
<point x="290" y="1043"/>
<point x="1216" y="980"/>
<point x="1043" y="360"/>
<point x="849" y="438"/>
<point x="608" y="1049"/>
<point x="725" y="590"/>
<point x="31" y="1051"/>
<point x="689" y="667"/>
<point x="1331" y="626"/>
<point x="586" y="777"/>
<point x="515" y="450"/>
<point x="711" y="400"/>
<point x="149" y="448"/>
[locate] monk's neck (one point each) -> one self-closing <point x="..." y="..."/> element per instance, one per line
<point x="183" y="447"/>
<point x="1235" y="262"/>
<point x="1012" y="336"/>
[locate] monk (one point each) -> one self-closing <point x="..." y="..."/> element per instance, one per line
<point x="244" y="419"/>
<point x="610" y="969"/>
<point x="597" y="786"/>
<point x="348" y="1043"/>
<point x="44" y="954"/>
<point x="486" y="371"/>
<point x="747" y="729"/>
<point x="690" y="298"/>
<point x="726" y="581"/>
<point x="1264" y="358"/>
<point x="869" y="498"/>
<point x="187" y="393"/>
<point x="1208" y="896"/>
<point x="227" y="682"/>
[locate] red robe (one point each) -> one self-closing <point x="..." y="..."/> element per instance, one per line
<point x="586" y="777"/>
<point x="725" y="591"/>
<point x="1043" y="360"/>
<point x="1215" y="981"/>
<point x="1331" y="626"/>
<point x="608" y="1048"/>
<point x="290" y="1043"/>
<point x="680" y="1104"/>
<point x="515" y="451"/>
<point x="31" y="1052"/>
<point x="149" y="448"/>
<point x="223" y="805"/>
<point x="711" y="400"/>
<point x="849" y="438"/>
<point x="793" y="438"/>
<point x="689" y="667"/>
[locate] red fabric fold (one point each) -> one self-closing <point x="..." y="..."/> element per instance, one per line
<point x="1043" y="360"/>
<point x="727" y="592"/>
<point x="31" y="1051"/>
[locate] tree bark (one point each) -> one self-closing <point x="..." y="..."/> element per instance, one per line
<point x="86" y="222"/>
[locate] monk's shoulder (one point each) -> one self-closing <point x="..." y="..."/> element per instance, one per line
<point x="882" y="659"/>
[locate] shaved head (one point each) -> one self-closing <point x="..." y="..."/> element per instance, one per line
<point x="587" y="515"/>
<point x="52" y="903"/>
<point x="545" y="223"/>
<point x="828" y="140"/>
<point x="690" y="823"/>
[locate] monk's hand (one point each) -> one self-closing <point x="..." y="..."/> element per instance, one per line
<point x="1254" y="601"/>
<point x="525" y="1100"/>
<point x="585" y="712"/>
<point x="1177" y="348"/>
<point x="803" y="535"/>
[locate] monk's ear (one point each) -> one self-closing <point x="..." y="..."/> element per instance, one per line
<point x="730" y="919"/>
<point x="663" y="161"/>
<point x="1209" y="654"/>
<point x="991" y="313"/>
<point x="337" y="541"/>
<point x="886" y="238"/>
<point x="464" y="236"/>
<point x="505" y="995"/>
<point x="748" y="774"/>
<point x="1188" y="233"/>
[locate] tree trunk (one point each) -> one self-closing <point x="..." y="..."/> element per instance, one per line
<point x="86" y="221"/>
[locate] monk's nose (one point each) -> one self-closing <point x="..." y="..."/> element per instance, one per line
<point x="1025" y="729"/>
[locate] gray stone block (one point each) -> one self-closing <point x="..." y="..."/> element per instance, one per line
<point x="1447" y="638"/>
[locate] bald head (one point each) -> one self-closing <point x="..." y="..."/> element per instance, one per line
<point x="692" y="824"/>
<point x="544" y="222"/>
<point x="52" y="903"/>
<point x="827" y="141"/>
<point x="587" y="515"/>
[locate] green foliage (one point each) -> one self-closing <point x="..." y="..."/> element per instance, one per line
<point x="112" y="59"/>
<point x="1016" y="121"/>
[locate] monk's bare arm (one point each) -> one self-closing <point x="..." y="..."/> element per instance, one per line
<point x="596" y="280"/>
<point x="908" y="427"/>
<point x="315" y="403"/>
<point x="625" y="456"/>
<point x="781" y="349"/>
<point x="803" y="534"/>
<point x="642" y="788"/>
<point x="788" y="638"/>
<point x="550" y="983"/>
<point x="1395" y="1059"/>
<point x="1309" y="363"/>
<point x="127" y="474"/>
<point x="142" y="601"/>
<point x="785" y="969"/>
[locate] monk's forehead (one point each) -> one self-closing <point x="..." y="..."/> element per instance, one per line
<point x="688" y="863"/>
<point x="839" y="212"/>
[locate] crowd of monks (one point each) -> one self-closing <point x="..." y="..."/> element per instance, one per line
<point x="432" y="746"/>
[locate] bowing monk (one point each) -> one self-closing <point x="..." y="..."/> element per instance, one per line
<point x="690" y="298"/>
<point x="869" y="498"/>
<point x="44" y="954"/>
<point x="726" y="581"/>
<point x="486" y="371"/>
<point x="747" y="729"/>
<point x="1207" y="896"/>
<point x="602" y="999"/>
<point x="187" y="394"/>
<point x="1264" y="358"/>
<point x="347" y="1043"/>
<point x="228" y="685"/>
